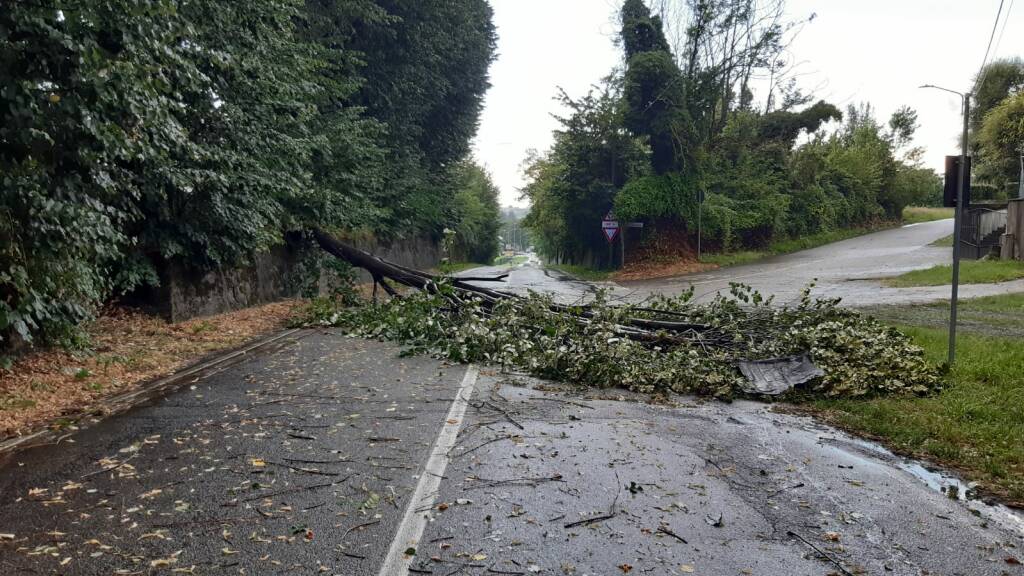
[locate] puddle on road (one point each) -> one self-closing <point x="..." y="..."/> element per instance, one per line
<point x="951" y="486"/>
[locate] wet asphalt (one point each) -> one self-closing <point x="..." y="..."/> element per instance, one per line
<point x="848" y="270"/>
<point x="299" y="461"/>
<point x="304" y="460"/>
<point x="603" y="484"/>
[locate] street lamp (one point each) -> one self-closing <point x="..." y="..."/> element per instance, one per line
<point x="965" y="99"/>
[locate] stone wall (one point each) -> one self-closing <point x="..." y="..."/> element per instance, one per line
<point x="185" y="295"/>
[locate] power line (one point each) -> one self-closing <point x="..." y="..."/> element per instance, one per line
<point x="988" y="49"/>
<point x="1006" y="20"/>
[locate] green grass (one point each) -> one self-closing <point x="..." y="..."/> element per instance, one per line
<point x="971" y="272"/>
<point x="582" y="272"/>
<point x="992" y="315"/>
<point x="787" y="246"/>
<point x="734" y="258"/>
<point x="918" y="214"/>
<point x="976" y="424"/>
<point x="456" y="267"/>
<point x="944" y="242"/>
<point x="509" y="260"/>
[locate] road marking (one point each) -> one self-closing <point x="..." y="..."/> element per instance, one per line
<point x="410" y="530"/>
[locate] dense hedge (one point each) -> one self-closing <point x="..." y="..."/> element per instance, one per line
<point x="137" y="132"/>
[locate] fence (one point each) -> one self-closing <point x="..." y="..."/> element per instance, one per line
<point x="1012" y="247"/>
<point x="981" y="231"/>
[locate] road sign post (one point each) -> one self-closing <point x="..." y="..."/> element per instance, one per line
<point x="610" y="229"/>
<point x="963" y="180"/>
<point x="700" y="211"/>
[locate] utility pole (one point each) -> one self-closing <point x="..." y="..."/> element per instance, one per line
<point x="958" y="218"/>
<point x="1020" y="180"/>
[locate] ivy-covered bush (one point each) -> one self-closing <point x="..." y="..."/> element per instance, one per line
<point x="134" y="133"/>
<point x="84" y="100"/>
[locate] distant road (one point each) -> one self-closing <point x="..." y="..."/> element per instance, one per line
<point x="849" y="270"/>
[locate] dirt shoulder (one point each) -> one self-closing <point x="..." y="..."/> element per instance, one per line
<point x="127" y="348"/>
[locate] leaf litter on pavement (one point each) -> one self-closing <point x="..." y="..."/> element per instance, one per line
<point x="243" y="474"/>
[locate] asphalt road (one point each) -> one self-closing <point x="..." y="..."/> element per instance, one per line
<point x="336" y="455"/>
<point x="849" y="270"/>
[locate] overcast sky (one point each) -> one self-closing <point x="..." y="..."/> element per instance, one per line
<point x="877" y="51"/>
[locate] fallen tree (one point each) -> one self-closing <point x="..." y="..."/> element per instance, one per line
<point x="741" y="343"/>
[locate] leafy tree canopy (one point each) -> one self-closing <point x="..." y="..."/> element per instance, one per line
<point x="137" y="133"/>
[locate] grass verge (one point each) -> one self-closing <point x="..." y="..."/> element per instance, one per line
<point x="456" y="267"/>
<point x="510" y="260"/>
<point x="990" y="316"/>
<point x="918" y="214"/>
<point x="582" y="272"/>
<point x="971" y="272"/>
<point x="976" y="424"/>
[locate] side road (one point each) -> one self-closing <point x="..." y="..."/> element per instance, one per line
<point x="849" y="269"/>
<point x="337" y="455"/>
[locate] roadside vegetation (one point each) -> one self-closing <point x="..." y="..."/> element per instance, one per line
<point x="458" y="266"/>
<point x="510" y="260"/>
<point x="918" y="214"/>
<point x="584" y="273"/>
<point x="971" y="272"/>
<point x="221" y="130"/>
<point x="707" y="135"/>
<point x="974" y="424"/>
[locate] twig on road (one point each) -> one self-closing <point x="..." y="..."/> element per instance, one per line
<point x="503" y="412"/>
<point x="580" y="404"/>
<point x="481" y="445"/>
<point x="590" y="520"/>
<point x="668" y="532"/>
<point x="300" y="469"/>
<point x="528" y="481"/>
<point x="824" y="554"/>
<point x="297" y="489"/>
<point x="357" y="527"/>
<point x="611" y="509"/>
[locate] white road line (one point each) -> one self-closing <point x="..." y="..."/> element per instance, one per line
<point x="396" y="563"/>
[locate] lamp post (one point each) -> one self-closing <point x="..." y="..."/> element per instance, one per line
<point x="961" y="184"/>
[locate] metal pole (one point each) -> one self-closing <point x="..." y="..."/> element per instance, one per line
<point x="700" y="211"/>
<point x="1020" y="184"/>
<point x="958" y="221"/>
<point x="622" y="242"/>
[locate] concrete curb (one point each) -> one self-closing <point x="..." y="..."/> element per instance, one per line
<point x="154" y="388"/>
